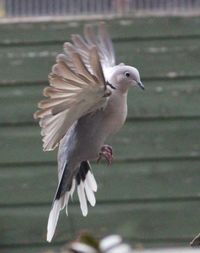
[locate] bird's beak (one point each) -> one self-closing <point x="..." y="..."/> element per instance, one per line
<point x="141" y="85"/>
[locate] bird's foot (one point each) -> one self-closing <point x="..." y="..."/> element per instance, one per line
<point x="106" y="153"/>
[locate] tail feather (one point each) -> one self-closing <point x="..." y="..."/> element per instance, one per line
<point x="82" y="199"/>
<point x="73" y="188"/>
<point x="86" y="186"/>
<point x="89" y="193"/>
<point x="91" y="181"/>
<point x="67" y="195"/>
<point x="58" y="205"/>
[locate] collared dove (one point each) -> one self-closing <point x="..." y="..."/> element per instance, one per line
<point x="87" y="102"/>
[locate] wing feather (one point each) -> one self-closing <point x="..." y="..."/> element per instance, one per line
<point x="73" y="92"/>
<point x="106" y="45"/>
<point x="52" y="102"/>
<point x="81" y="68"/>
<point x="55" y="93"/>
<point x="102" y="41"/>
<point x="90" y="35"/>
<point x="94" y="61"/>
<point x="62" y="69"/>
<point x="79" y="42"/>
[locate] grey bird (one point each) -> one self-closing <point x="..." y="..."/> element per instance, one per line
<point x="87" y="103"/>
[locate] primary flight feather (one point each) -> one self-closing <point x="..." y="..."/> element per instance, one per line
<point x="87" y="102"/>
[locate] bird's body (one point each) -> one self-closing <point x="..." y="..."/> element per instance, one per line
<point x="87" y="104"/>
<point x="86" y="136"/>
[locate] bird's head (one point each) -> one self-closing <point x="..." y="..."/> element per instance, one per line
<point x="123" y="77"/>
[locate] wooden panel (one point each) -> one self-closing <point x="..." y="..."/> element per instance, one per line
<point x="27" y="225"/>
<point x="172" y="98"/>
<point x="23" y="144"/>
<point x="31" y="249"/>
<point x="142" y="27"/>
<point x="138" y="140"/>
<point x="27" y="64"/>
<point x="144" y="247"/>
<point x="160" y="99"/>
<point x="158" y="139"/>
<point x="141" y="221"/>
<point x="154" y="194"/>
<point x="153" y="58"/>
<point x="150" y="180"/>
<point x="19" y="103"/>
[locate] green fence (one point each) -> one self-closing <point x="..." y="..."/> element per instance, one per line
<point x="151" y="194"/>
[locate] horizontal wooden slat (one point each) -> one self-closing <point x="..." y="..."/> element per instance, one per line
<point x="19" y="103"/>
<point x="27" y="64"/>
<point x="153" y="58"/>
<point x="173" y="98"/>
<point x="27" y="225"/>
<point x="142" y="27"/>
<point x="32" y="249"/>
<point x="144" y="247"/>
<point x="121" y="182"/>
<point x="138" y="140"/>
<point x="141" y="221"/>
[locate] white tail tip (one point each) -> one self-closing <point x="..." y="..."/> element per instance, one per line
<point x="53" y="219"/>
<point x="86" y="190"/>
<point x="58" y="205"/>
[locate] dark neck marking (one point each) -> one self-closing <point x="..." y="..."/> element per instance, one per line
<point x="111" y="86"/>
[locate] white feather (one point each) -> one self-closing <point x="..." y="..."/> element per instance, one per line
<point x="83" y="248"/>
<point x="53" y="219"/>
<point x="89" y="193"/>
<point x="109" y="242"/>
<point x="82" y="199"/>
<point x="58" y="205"/>
<point x="67" y="194"/>
<point x="91" y="181"/>
<point x="122" y="248"/>
<point x="73" y="188"/>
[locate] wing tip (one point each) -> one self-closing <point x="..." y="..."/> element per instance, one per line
<point x="48" y="146"/>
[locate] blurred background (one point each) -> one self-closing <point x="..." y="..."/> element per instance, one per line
<point x="38" y="8"/>
<point x="151" y="194"/>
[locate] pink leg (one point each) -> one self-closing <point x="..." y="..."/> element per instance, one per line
<point x="106" y="153"/>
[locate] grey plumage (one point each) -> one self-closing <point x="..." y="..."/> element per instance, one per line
<point x="87" y="102"/>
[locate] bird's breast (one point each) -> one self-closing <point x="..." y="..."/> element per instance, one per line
<point x="92" y="130"/>
<point x="115" y="113"/>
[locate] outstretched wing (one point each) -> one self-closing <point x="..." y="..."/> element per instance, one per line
<point x="101" y="40"/>
<point x="74" y="91"/>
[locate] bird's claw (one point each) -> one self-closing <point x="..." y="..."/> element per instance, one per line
<point x="106" y="153"/>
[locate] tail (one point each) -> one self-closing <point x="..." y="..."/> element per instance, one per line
<point x="86" y="186"/>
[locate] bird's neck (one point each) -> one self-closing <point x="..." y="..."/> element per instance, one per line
<point x="117" y="103"/>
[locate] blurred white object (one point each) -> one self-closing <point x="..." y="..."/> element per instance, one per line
<point x="114" y="244"/>
<point x="109" y="244"/>
<point x="82" y="248"/>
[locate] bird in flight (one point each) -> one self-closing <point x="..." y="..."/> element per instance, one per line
<point x="86" y="103"/>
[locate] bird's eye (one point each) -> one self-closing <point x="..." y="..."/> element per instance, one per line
<point x="127" y="74"/>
